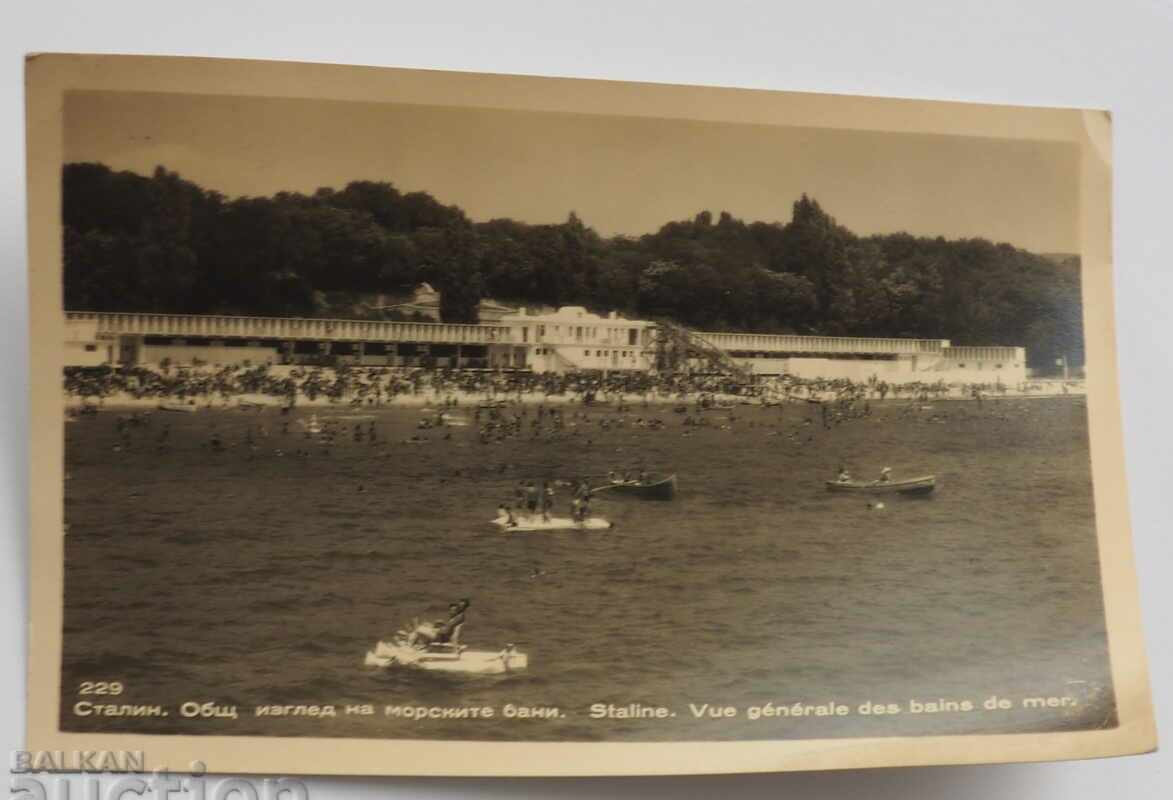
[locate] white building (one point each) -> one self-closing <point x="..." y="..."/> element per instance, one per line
<point x="567" y="340"/>
<point x="573" y="338"/>
<point x="84" y="348"/>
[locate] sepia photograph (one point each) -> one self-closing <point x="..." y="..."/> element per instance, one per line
<point x="454" y="422"/>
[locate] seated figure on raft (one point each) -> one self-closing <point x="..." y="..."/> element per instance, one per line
<point x="442" y="634"/>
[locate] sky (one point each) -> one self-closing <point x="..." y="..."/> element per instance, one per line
<point x="621" y="175"/>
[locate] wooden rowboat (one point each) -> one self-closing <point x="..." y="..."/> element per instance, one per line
<point x="662" y="489"/>
<point x="911" y="486"/>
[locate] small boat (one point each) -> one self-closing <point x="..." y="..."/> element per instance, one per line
<point x="921" y="485"/>
<point x="447" y="658"/>
<point x="182" y="408"/>
<point x="660" y="489"/>
<point x="539" y="525"/>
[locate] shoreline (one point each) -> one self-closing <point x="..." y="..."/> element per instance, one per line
<point x="125" y="401"/>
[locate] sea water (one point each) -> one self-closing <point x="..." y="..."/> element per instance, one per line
<point x="259" y="575"/>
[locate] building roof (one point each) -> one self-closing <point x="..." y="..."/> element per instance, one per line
<point x="568" y="314"/>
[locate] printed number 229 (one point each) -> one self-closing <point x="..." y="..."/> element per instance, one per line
<point x="100" y="687"/>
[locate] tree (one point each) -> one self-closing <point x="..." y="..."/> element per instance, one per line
<point x="453" y="267"/>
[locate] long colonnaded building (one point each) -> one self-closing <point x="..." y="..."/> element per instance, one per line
<point x="567" y="340"/>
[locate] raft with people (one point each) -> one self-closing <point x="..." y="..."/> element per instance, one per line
<point x="474" y="662"/>
<point x="539" y="524"/>
<point x="436" y="647"/>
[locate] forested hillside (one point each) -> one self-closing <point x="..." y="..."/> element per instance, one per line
<point x="161" y="243"/>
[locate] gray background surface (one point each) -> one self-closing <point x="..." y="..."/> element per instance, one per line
<point x="1115" y="55"/>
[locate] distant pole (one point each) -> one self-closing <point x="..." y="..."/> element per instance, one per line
<point x="1065" y="367"/>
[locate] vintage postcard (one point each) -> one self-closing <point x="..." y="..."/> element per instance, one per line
<point x="403" y="422"/>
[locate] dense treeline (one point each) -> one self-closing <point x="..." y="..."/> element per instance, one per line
<point x="165" y="244"/>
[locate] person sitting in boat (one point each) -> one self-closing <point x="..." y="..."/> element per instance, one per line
<point x="613" y="477"/>
<point x="885" y="475"/>
<point x="844" y="475"/>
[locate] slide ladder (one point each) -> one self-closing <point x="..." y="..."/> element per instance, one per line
<point x="676" y="348"/>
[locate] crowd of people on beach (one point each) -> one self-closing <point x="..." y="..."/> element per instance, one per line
<point x="377" y="386"/>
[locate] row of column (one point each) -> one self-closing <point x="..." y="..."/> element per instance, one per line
<point x="278" y="328"/>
